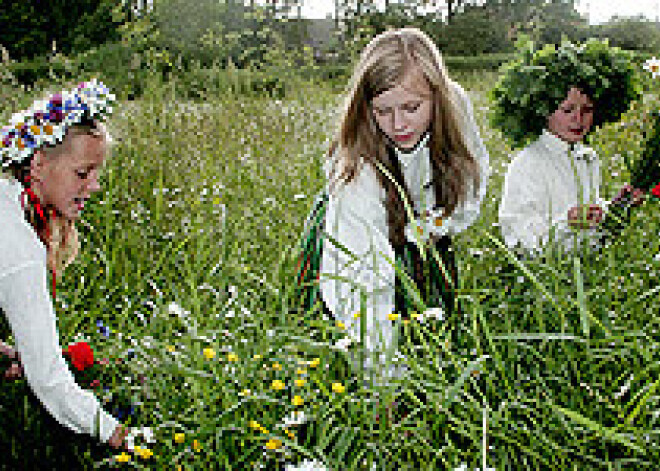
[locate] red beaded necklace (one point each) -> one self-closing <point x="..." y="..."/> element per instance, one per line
<point x="44" y="234"/>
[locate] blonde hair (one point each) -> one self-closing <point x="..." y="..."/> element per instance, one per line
<point x="382" y="65"/>
<point x="62" y="244"/>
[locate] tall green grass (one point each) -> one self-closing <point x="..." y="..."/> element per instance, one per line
<point x="203" y="204"/>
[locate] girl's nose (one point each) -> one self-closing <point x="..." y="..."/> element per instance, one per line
<point x="93" y="184"/>
<point x="398" y="121"/>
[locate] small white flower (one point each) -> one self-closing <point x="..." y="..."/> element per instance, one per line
<point x="343" y="344"/>
<point x="653" y="66"/>
<point x="295" y="418"/>
<point x="307" y="466"/>
<point x="176" y="310"/>
<point x="435" y="313"/>
<point x="299" y="196"/>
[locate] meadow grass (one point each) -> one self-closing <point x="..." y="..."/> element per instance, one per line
<point x="551" y="363"/>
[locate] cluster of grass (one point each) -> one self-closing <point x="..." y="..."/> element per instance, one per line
<point x="189" y="254"/>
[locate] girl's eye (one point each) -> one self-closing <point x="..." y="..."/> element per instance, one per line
<point x="411" y="108"/>
<point x="82" y="174"/>
<point x="381" y="112"/>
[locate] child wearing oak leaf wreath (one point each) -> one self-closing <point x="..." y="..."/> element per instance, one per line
<point x="555" y="97"/>
<point x="407" y="169"/>
<point x="50" y="156"/>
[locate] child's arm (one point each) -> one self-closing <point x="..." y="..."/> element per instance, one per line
<point x="356" y="220"/>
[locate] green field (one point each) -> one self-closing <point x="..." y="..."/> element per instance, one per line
<point x="203" y="205"/>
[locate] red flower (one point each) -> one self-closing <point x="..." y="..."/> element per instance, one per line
<point x="81" y="355"/>
<point x="656" y="191"/>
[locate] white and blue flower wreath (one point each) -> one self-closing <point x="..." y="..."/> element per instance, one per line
<point x="47" y="121"/>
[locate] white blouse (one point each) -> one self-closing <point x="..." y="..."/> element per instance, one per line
<point x="26" y="301"/>
<point x="356" y="218"/>
<point x="542" y="183"/>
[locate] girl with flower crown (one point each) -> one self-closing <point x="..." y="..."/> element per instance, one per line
<point x="50" y="157"/>
<point x="554" y="97"/>
<point x="406" y="170"/>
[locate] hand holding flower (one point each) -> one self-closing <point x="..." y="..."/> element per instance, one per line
<point x="636" y="199"/>
<point x="15" y="369"/>
<point x="585" y="216"/>
<point x="118" y="437"/>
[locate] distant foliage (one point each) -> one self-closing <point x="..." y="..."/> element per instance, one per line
<point x="636" y="34"/>
<point x="30" y="27"/>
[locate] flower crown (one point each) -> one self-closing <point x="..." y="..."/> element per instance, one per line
<point x="47" y="121"/>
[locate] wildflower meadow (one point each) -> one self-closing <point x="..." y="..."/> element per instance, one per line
<point x="187" y="271"/>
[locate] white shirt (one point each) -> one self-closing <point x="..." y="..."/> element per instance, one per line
<point x="356" y="217"/>
<point x="541" y="185"/>
<point x="26" y="301"/>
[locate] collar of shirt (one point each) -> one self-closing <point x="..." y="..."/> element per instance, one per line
<point x="406" y="157"/>
<point x="10" y="191"/>
<point x="559" y="147"/>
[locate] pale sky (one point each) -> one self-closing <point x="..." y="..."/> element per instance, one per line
<point x="599" y="11"/>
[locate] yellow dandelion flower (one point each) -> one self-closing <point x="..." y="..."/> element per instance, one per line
<point x="196" y="445"/>
<point x="315" y="362"/>
<point x="301" y="371"/>
<point x="232" y="357"/>
<point x="277" y="385"/>
<point x="277" y="367"/>
<point x="298" y="401"/>
<point x="393" y="316"/>
<point x="145" y="453"/>
<point x="257" y="357"/>
<point x="414" y="315"/>
<point x="179" y="437"/>
<point x="254" y="424"/>
<point x="123" y="458"/>
<point x="245" y="392"/>
<point x="216" y="201"/>
<point x="170" y="348"/>
<point x="338" y="388"/>
<point x="209" y="353"/>
<point x="356" y="315"/>
<point x="273" y="444"/>
<point x="300" y="382"/>
<point x="341" y="325"/>
<point x="290" y="434"/>
<point x="263" y="430"/>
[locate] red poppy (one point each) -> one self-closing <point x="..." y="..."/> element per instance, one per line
<point x="656" y="191"/>
<point x="81" y="355"/>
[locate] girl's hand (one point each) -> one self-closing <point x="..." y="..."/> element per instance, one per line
<point x="585" y="216"/>
<point x="637" y="195"/>
<point x="15" y="370"/>
<point x="118" y="436"/>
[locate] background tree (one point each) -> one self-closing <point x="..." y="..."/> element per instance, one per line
<point x="28" y="28"/>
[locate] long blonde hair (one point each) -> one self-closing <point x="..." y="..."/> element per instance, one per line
<point x="62" y="242"/>
<point x="382" y="66"/>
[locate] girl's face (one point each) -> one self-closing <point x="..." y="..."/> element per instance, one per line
<point x="574" y="117"/>
<point x="67" y="181"/>
<point x="403" y="113"/>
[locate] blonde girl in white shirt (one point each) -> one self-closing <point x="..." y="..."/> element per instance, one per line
<point x="406" y="145"/>
<point x="51" y="156"/>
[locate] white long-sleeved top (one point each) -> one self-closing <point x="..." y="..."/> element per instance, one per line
<point x="26" y="302"/>
<point x="356" y="217"/>
<point x="541" y="185"/>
